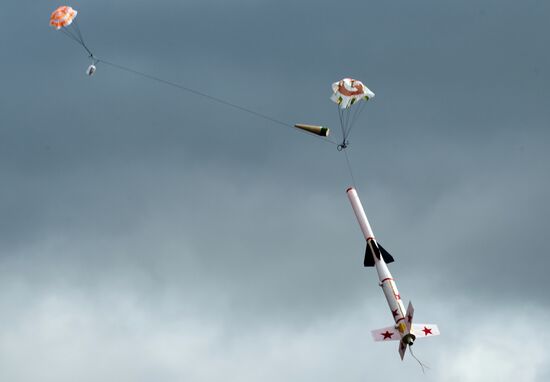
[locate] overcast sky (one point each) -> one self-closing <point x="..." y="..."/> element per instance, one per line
<point x="147" y="234"/>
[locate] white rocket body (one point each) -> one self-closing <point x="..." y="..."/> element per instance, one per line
<point x="386" y="280"/>
<point x="376" y="256"/>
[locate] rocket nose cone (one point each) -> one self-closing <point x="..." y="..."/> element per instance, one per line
<point x="350" y="189"/>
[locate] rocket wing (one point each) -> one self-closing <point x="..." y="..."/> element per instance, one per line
<point x="425" y="330"/>
<point x="389" y="333"/>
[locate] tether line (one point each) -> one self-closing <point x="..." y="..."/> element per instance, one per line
<point x="209" y="97"/>
<point x="350" y="169"/>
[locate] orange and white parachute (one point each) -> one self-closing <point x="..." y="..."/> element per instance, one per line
<point x="348" y="91"/>
<point x="62" y="17"/>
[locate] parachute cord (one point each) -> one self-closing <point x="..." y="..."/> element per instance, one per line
<point x="344" y="143"/>
<point x="422" y="365"/>
<point x="352" y="118"/>
<point x="71" y="36"/>
<point x="206" y="96"/>
<point x="77" y="29"/>
<point x="83" y="42"/>
<point x="346" y="124"/>
<point x="90" y="54"/>
<point x="78" y="40"/>
<point x="347" y="121"/>
<point x="340" y="115"/>
<point x="356" y="115"/>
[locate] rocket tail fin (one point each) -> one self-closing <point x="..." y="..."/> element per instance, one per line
<point x="409" y="316"/>
<point x="369" y="255"/>
<point x="386" y="255"/>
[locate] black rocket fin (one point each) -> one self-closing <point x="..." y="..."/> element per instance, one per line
<point x="386" y="255"/>
<point x="379" y="251"/>
<point x="371" y="251"/>
<point x="369" y="259"/>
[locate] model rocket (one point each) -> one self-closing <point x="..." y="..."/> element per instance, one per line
<point x="376" y="256"/>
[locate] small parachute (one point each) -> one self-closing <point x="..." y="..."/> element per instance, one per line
<point x="64" y="20"/>
<point x="348" y="94"/>
<point x="62" y="17"/>
<point x="348" y="91"/>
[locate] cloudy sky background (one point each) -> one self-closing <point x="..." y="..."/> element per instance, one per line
<point x="150" y="235"/>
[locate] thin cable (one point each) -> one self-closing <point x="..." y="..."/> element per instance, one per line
<point x="350" y="169"/>
<point x="80" y="40"/>
<point x="207" y="96"/>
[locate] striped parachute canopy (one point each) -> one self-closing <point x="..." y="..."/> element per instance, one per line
<point x="64" y="20"/>
<point x="62" y="17"/>
<point x="348" y="91"/>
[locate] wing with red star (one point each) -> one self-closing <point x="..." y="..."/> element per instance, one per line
<point x="386" y="334"/>
<point x="425" y="330"/>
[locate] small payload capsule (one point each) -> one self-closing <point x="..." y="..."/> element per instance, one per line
<point x="91" y="70"/>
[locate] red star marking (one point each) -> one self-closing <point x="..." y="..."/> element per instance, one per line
<point x="387" y="335"/>
<point x="409" y="318"/>
<point x="427" y="331"/>
<point x="395" y="312"/>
